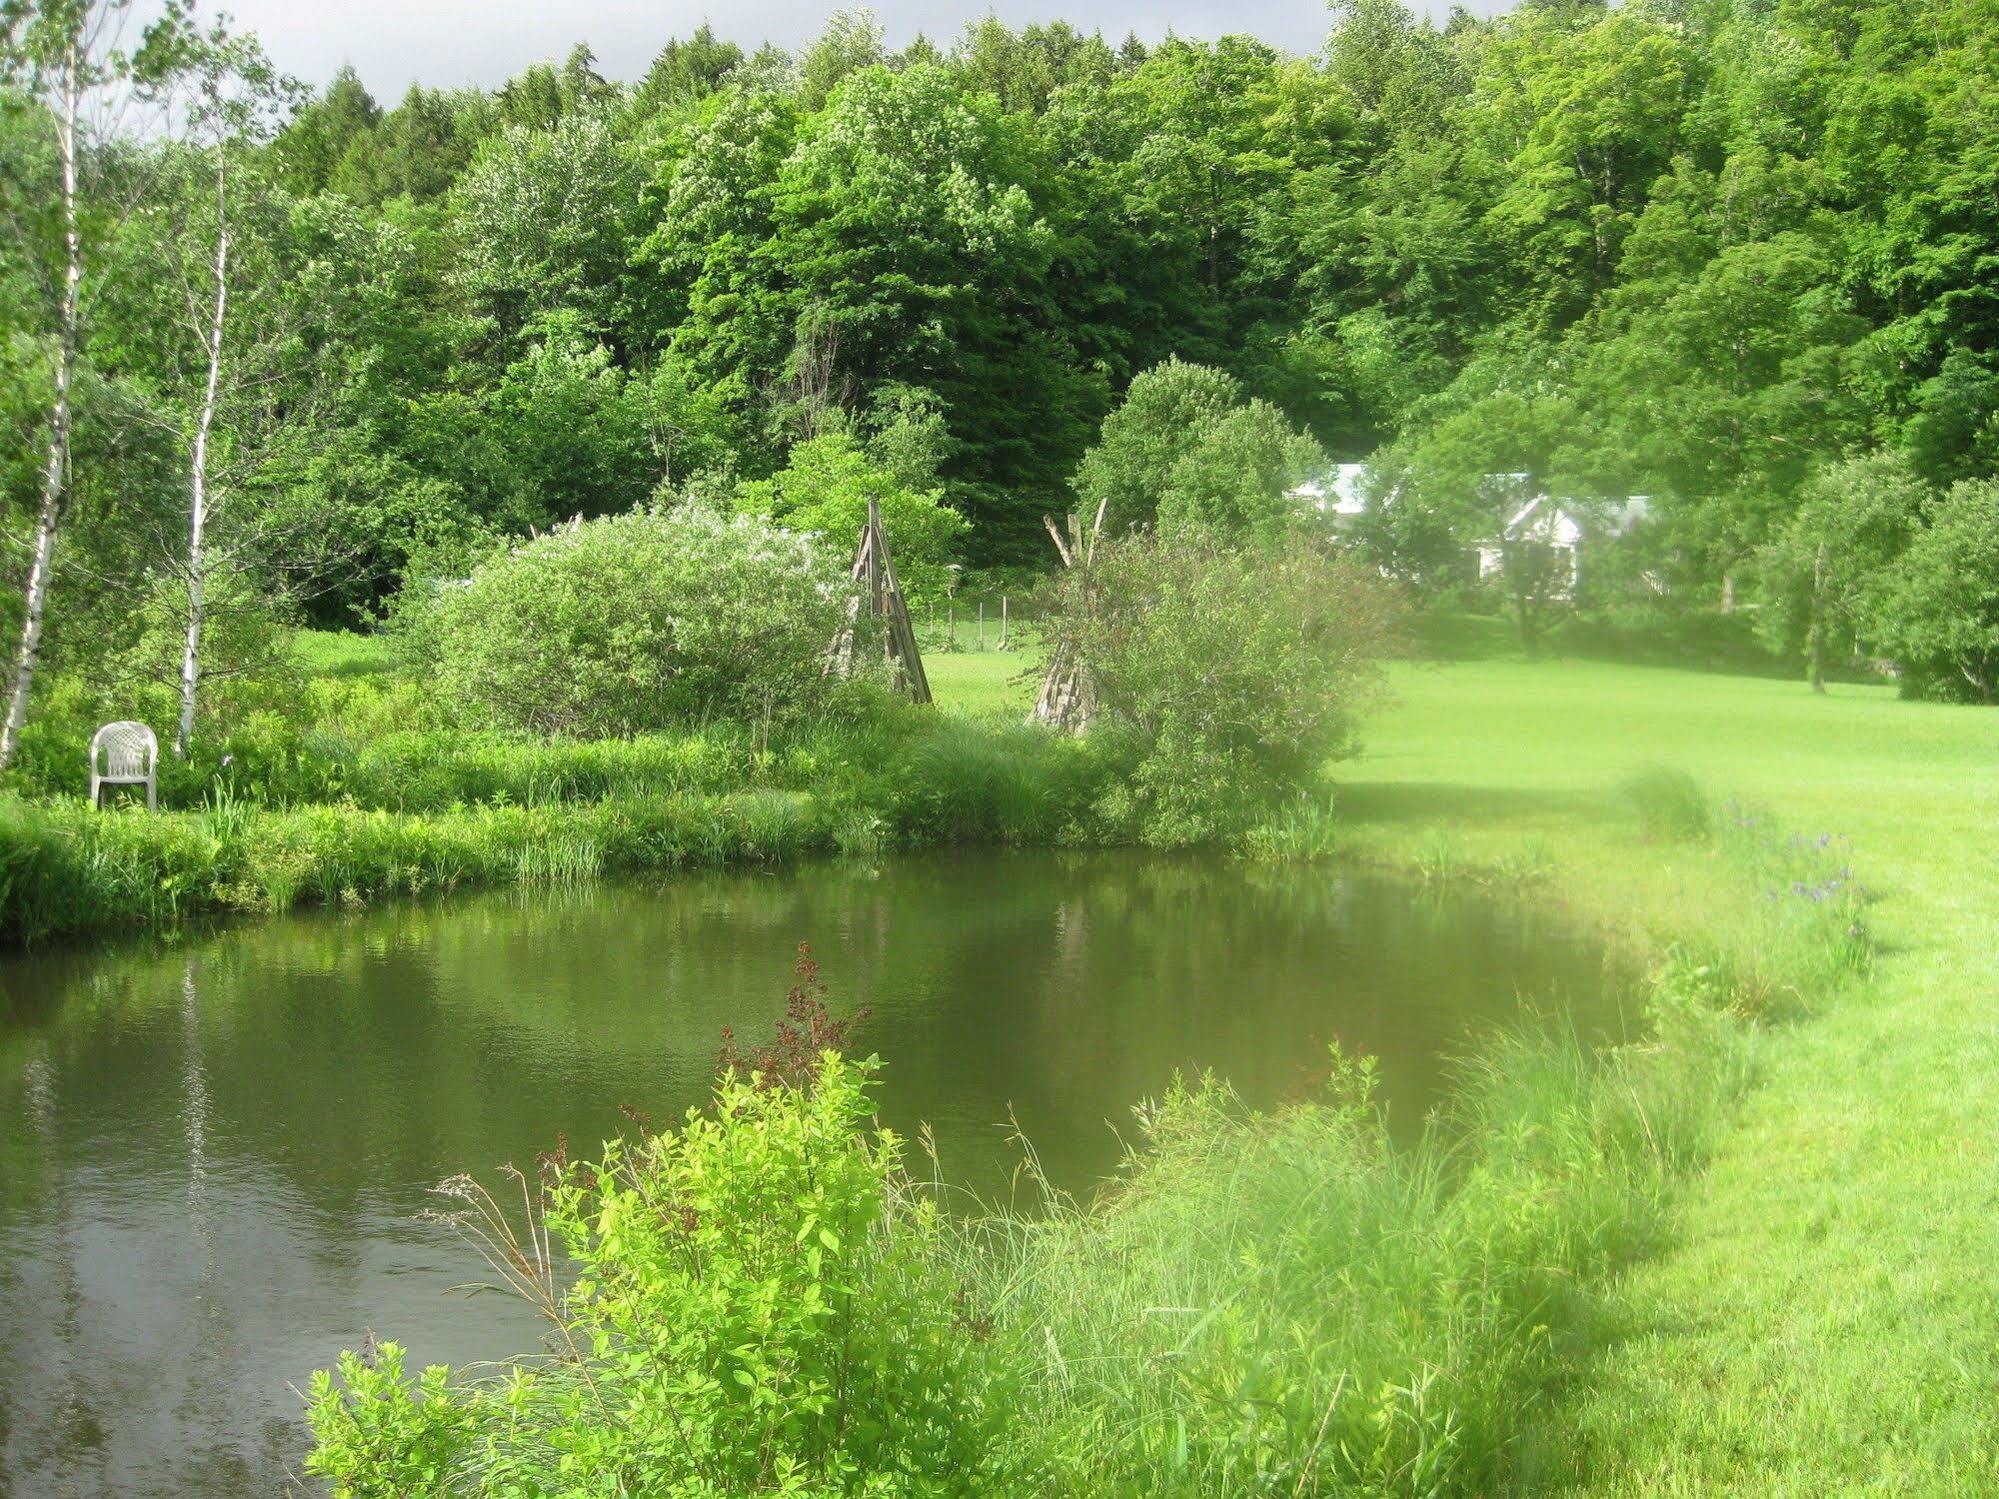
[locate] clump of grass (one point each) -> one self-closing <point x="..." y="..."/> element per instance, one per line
<point x="567" y="858"/>
<point x="1293" y="1304"/>
<point x="1442" y="862"/>
<point x="1671" y="806"/>
<point x="860" y="834"/>
<point x="1805" y="932"/>
<point x="977" y="783"/>
<point x="768" y="826"/>
<point x="1305" y="829"/>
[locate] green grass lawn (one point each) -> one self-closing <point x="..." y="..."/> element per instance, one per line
<point x="984" y="682"/>
<point x="1823" y="1320"/>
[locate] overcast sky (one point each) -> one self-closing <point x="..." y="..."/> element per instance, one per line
<point x="393" y="43"/>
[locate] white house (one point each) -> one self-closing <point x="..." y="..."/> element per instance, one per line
<point x="1564" y="527"/>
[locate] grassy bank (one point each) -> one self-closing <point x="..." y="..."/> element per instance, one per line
<point x="1292" y="1304"/>
<point x="1810" y="1314"/>
<point x="418" y="814"/>
<point x="1280" y="1304"/>
<point x="1817" y="1319"/>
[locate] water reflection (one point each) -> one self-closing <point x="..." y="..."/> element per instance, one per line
<point x="211" y="1158"/>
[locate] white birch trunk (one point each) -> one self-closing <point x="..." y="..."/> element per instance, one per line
<point x="55" y="476"/>
<point x="197" y="481"/>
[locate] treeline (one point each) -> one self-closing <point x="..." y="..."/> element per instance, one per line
<point x="1697" y="251"/>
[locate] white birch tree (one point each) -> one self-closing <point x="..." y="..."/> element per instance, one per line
<point x="66" y="55"/>
<point x="233" y="105"/>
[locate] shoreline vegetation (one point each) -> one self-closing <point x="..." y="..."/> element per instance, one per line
<point x="1291" y="1303"/>
<point x="1260" y="1303"/>
<point x="1655" y="333"/>
<point x="461" y="815"/>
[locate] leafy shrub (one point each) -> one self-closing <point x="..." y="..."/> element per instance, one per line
<point x="825" y="489"/>
<point x="758" y="1309"/>
<point x="1234" y="672"/>
<point x="1670" y="804"/>
<point x="1188" y="448"/>
<point x="635" y="624"/>
<point x="1817" y="577"/>
<point x="1937" y="608"/>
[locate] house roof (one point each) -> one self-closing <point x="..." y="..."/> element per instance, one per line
<point x="1565" y="521"/>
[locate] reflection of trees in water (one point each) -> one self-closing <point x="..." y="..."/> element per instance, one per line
<point x="401" y="1044"/>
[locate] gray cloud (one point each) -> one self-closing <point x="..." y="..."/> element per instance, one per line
<point x="393" y="43"/>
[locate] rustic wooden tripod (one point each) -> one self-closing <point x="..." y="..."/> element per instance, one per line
<point x="874" y="571"/>
<point x="1068" y="698"/>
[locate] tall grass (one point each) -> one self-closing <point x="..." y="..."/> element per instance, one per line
<point x="543" y="814"/>
<point x="1294" y="1304"/>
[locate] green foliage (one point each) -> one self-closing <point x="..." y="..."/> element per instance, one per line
<point x="349" y="807"/>
<point x="1671" y="805"/>
<point x="1127" y="470"/>
<point x="757" y="1308"/>
<point x="1821" y="573"/>
<point x="636" y="623"/>
<point x="547" y="217"/>
<point x="1186" y="451"/>
<point x="825" y="489"/>
<point x="1234" y="476"/>
<point x="1236" y="671"/>
<point x="1701" y="259"/>
<point x="1294" y="1304"/>
<point x="1937" y="612"/>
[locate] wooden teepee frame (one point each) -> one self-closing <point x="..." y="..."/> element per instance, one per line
<point x="1068" y="698"/>
<point x="874" y="571"/>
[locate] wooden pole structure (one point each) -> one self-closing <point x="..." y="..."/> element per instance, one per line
<point x="874" y="572"/>
<point x="1068" y="698"/>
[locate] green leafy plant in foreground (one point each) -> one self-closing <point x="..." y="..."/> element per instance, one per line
<point x="756" y="1310"/>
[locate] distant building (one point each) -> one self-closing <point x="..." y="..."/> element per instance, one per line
<point x="1339" y="494"/>
<point x="1565" y="528"/>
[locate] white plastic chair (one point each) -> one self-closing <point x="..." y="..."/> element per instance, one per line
<point x="129" y="755"/>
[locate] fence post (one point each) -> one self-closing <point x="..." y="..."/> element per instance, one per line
<point x="982" y="624"/>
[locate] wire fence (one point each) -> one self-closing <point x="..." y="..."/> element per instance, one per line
<point x="996" y="622"/>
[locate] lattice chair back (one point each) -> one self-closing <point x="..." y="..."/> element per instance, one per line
<point x="124" y="754"/>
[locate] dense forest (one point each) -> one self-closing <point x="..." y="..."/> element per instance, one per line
<point x="1696" y="251"/>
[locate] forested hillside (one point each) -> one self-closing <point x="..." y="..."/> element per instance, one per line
<point x="1689" y="250"/>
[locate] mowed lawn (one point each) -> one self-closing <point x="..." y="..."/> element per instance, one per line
<point x="1825" y="1317"/>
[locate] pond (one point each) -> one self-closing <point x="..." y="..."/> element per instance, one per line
<point x="213" y="1155"/>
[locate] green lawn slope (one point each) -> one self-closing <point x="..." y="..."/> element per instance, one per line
<point x="1824" y="1320"/>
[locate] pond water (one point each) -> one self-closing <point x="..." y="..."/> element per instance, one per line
<point x="212" y="1156"/>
